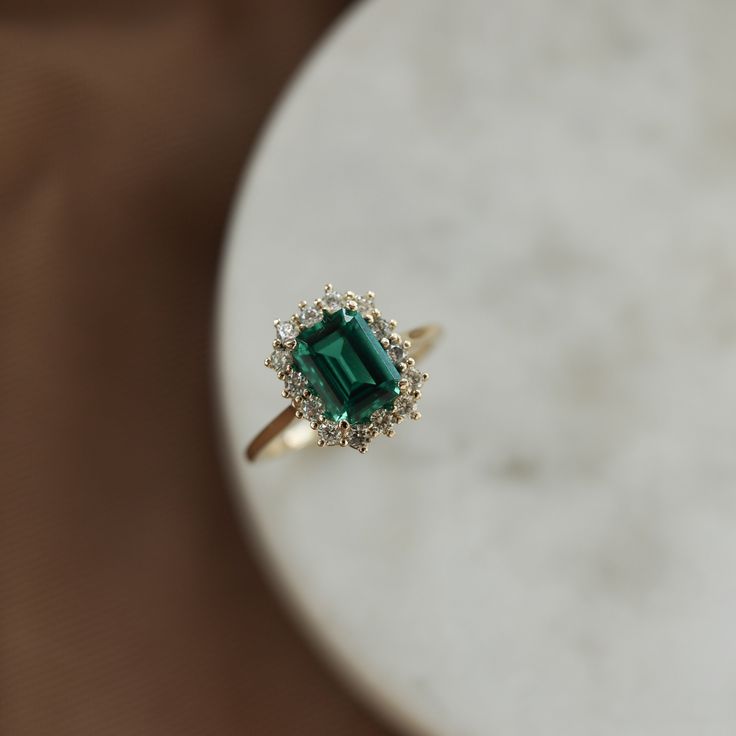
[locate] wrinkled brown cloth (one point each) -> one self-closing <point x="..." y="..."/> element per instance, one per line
<point x="129" y="604"/>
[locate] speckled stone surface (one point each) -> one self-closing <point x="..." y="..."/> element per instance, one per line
<point x="552" y="548"/>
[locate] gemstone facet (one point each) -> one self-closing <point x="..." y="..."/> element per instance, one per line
<point x="346" y="367"/>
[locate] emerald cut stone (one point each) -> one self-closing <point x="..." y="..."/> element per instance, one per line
<point x="346" y="367"/>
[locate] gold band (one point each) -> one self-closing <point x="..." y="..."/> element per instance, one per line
<point x="284" y="434"/>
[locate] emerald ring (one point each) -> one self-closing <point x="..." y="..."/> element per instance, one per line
<point x="348" y="373"/>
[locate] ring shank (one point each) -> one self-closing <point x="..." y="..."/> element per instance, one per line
<point x="282" y="434"/>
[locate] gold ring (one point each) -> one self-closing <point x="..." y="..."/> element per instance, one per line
<point x="349" y="375"/>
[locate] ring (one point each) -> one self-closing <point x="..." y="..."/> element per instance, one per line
<point x="347" y="372"/>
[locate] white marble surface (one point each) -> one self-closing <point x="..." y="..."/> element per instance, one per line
<point x="552" y="550"/>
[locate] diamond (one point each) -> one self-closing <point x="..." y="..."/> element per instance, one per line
<point x="414" y="377"/>
<point x="309" y="316"/>
<point x="286" y="331"/>
<point x="382" y="420"/>
<point x="312" y="408"/>
<point x="359" y="437"/>
<point x="365" y="304"/>
<point x="295" y="384"/>
<point x="381" y="328"/>
<point x="396" y="353"/>
<point x="346" y="367"/>
<point x="404" y="404"/>
<point x="330" y="433"/>
<point x="280" y="359"/>
<point x="332" y="301"/>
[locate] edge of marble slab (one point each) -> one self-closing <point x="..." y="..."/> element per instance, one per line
<point x="363" y="685"/>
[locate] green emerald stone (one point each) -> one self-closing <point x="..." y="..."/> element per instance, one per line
<point x="346" y="367"/>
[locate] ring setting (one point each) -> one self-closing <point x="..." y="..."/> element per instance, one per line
<point x="346" y="370"/>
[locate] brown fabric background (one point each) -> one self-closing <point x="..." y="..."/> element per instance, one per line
<point x="129" y="604"/>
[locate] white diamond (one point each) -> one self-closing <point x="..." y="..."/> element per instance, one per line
<point x="414" y="377"/>
<point x="381" y="328"/>
<point x="286" y="331"/>
<point x="330" y="433"/>
<point x="312" y="408"/>
<point x="382" y="420"/>
<point x="404" y="405"/>
<point x="295" y="384"/>
<point x="332" y="301"/>
<point x="396" y="353"/>
<point x="280" y="359"/>
<point x="365" y="304"/>
<point x="309" y="316"/>
<point x="359" y="437"/>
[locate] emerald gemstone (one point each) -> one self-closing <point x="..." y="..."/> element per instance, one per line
<point x="346" y="367"/>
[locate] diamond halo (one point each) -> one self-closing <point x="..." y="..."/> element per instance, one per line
<point x="309" y="398"/>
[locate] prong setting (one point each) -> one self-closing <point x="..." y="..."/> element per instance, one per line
<point x="309" y="407"/>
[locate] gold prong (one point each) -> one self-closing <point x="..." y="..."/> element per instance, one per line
<point x="398" y="418"/>
<point x="385" y="343"/>
<point x="377" y="313"/>
<point x="370" y="295"/>
<point x="369" y="319"/>
<point x="290" y="344"/>
<point x="349" y="295"/>
<point x="267" y="362"/>
<point x="416" y="415"/>
<point x="363" y="449"/>
<point x="407" y="344"/>
<point x="425" y="377"/>
<point x="403" y="385"/>
<point x="276" y="322"/>
<point x="321" y="442"/>
<point x="328" y="287"/>
<point x="318" y="303"/>
<point x="276" y="343"/>
<point x="343" y="442"/>
<point x="390" y="432"/>
<point x="393" y="324"/>
<point x="299" y="414"/>
<point x="285" y="394"/>
<point x="281" y="375"/>
<point x="302" y="305"/>
<point x="402" y="367"/>
<point x="417" y="394"/>
<point x="296" y="401"/>
<point x="313" y="425"/>
<point x="344" y="424"/>
<point x="410" y="362"/>
<point x="351" y="304"/>
<point x="305" y="393"/>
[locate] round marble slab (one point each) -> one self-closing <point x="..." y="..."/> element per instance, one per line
<point x="552" y="548"/>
